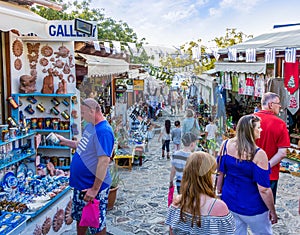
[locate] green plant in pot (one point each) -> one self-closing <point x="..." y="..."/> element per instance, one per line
<point x="115" y="181"/>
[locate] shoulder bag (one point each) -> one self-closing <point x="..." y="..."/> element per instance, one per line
<point x="219" y="158"/>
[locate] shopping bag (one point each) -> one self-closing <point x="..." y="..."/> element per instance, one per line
<point x="90" y="214"/>
<point x="170" y="195"/>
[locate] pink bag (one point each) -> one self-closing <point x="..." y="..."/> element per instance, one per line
<point x="90" y="215"/>
<point x="170" y="195"/>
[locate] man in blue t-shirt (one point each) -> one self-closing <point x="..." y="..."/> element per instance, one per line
<point x="89" y="172"/>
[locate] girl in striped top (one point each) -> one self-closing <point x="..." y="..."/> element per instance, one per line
<point x="197" y="210"/>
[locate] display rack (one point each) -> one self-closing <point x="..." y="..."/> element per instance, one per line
<point x="18" y="156"/>
<point x="45" y="113"/>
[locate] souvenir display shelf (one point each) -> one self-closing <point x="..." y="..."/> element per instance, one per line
<point x="56" y="107"/>
<point x="19" y="157"/>
<point x="48" y="204"/>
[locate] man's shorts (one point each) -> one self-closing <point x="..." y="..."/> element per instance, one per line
<point x="79" y="203"/>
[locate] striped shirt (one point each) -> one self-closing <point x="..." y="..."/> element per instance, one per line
<point x="212" y="225"/>
<point x="178" y="161"/>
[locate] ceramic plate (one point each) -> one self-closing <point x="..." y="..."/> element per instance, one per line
<point x="30" y="173"/>
<point x="10" y="181"/>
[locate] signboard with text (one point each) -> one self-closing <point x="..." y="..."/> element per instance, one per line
<point x="138" y="85"/>
<point x="65" y="30"/>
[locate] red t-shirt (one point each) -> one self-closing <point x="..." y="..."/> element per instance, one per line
<point x="274" y="135"/>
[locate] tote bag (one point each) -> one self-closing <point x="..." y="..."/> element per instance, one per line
<point x="195" y="130"/>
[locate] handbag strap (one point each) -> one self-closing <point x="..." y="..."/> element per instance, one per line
<point x="222" y="152"/>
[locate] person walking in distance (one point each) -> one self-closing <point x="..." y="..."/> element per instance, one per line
<point x="165" y="136"/>
<point x="176" y="135"/>
<point x="245" y="170"/>
<point x="274" y="138"/>
<point x="89" y="172"/>
<point x="189" y="141"/>
<point x="210" y="134"/>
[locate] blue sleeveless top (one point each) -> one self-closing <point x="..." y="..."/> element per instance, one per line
<point x="240" y="191"/>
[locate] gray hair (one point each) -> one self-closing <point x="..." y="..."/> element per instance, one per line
<point x="267" y="97"/>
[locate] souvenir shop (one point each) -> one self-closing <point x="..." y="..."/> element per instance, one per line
<point x="38" y="98"/>
<point x="247" y="70"/>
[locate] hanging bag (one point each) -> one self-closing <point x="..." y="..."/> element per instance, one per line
<point x="194" y="129"/>
<point x="90" y="214"/>
<point x="170" y="195"/>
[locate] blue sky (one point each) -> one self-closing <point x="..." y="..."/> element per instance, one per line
<point x="175" y="22"/>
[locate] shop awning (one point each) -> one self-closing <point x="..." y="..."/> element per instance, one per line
<point x="241" y="67"/>
<point x="19" y="18"/>
<point x="278" y="38"/>
<point x="99" y="66"/>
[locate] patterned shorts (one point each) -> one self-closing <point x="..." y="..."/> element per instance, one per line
<point x="79" y="203"/>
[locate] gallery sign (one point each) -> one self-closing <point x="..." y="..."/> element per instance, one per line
<point x="65" y="30"/>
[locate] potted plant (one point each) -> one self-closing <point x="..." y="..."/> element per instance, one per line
<point x="116" y="180"/>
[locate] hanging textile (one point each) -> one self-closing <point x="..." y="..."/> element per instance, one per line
<point x="250" y="55"/>
<point x="249" y="89"/>
<point x="232" y="54"/>
<point x="242" y="83"/>
<point x="107" y="47"/>
<point x="235" y="82"/>
<point x="227" y="81"/>
<point x="270" y="56"/>
<point x="259" y="87"/>
<point x="291" y="76"/>
<point x="293" y="102"/>
<point x="290" y="55"/>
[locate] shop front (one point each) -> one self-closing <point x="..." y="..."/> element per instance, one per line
<point x="268" y="62"/>
<point x="38" y="97"/>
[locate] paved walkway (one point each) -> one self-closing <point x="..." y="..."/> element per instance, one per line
<point x="141" y="203"/>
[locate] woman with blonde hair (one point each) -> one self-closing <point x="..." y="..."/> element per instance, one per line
<point x="197" y="210"/>
<point x="246" y="189"/>
<point x="190" y="123"/>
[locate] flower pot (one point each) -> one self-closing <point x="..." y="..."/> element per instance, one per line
<point x="112" y="196"/>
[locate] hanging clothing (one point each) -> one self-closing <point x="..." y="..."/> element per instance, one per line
<point x="259" y="88"/>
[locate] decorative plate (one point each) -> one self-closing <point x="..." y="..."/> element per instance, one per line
<point x="30" y="173"/>
<point x="18" y="64"/>
<point x="10" y="181"/>
<point x="22" y="168"/>
<point x="17" y="48"/>
<point x="44" y="61"/>
<point x="47" y="51"/>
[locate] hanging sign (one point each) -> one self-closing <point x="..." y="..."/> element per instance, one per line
<point x="293" y="102"/>
<point x="138" y="85"/>
<point x="66" y="30"/>
<point x="291" y="76"/>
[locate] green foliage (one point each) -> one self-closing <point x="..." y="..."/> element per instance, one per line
<point x="231" y="38"/>
<point x="108" y="29"/>
<point x="115" y="176"/>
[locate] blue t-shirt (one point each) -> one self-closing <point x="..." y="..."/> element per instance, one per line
<point x="96" y="141"/>
<point x="240" y="191"/>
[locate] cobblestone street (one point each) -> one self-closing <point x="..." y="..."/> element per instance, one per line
<point x="141" y="204"/>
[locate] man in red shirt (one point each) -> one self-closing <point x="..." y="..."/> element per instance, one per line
<point x="274" y="138"/>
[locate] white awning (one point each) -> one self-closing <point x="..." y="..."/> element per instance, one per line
<point x="25" y="21"/>
<point x="99" y="66"/>
<point x="241" y="67"/>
